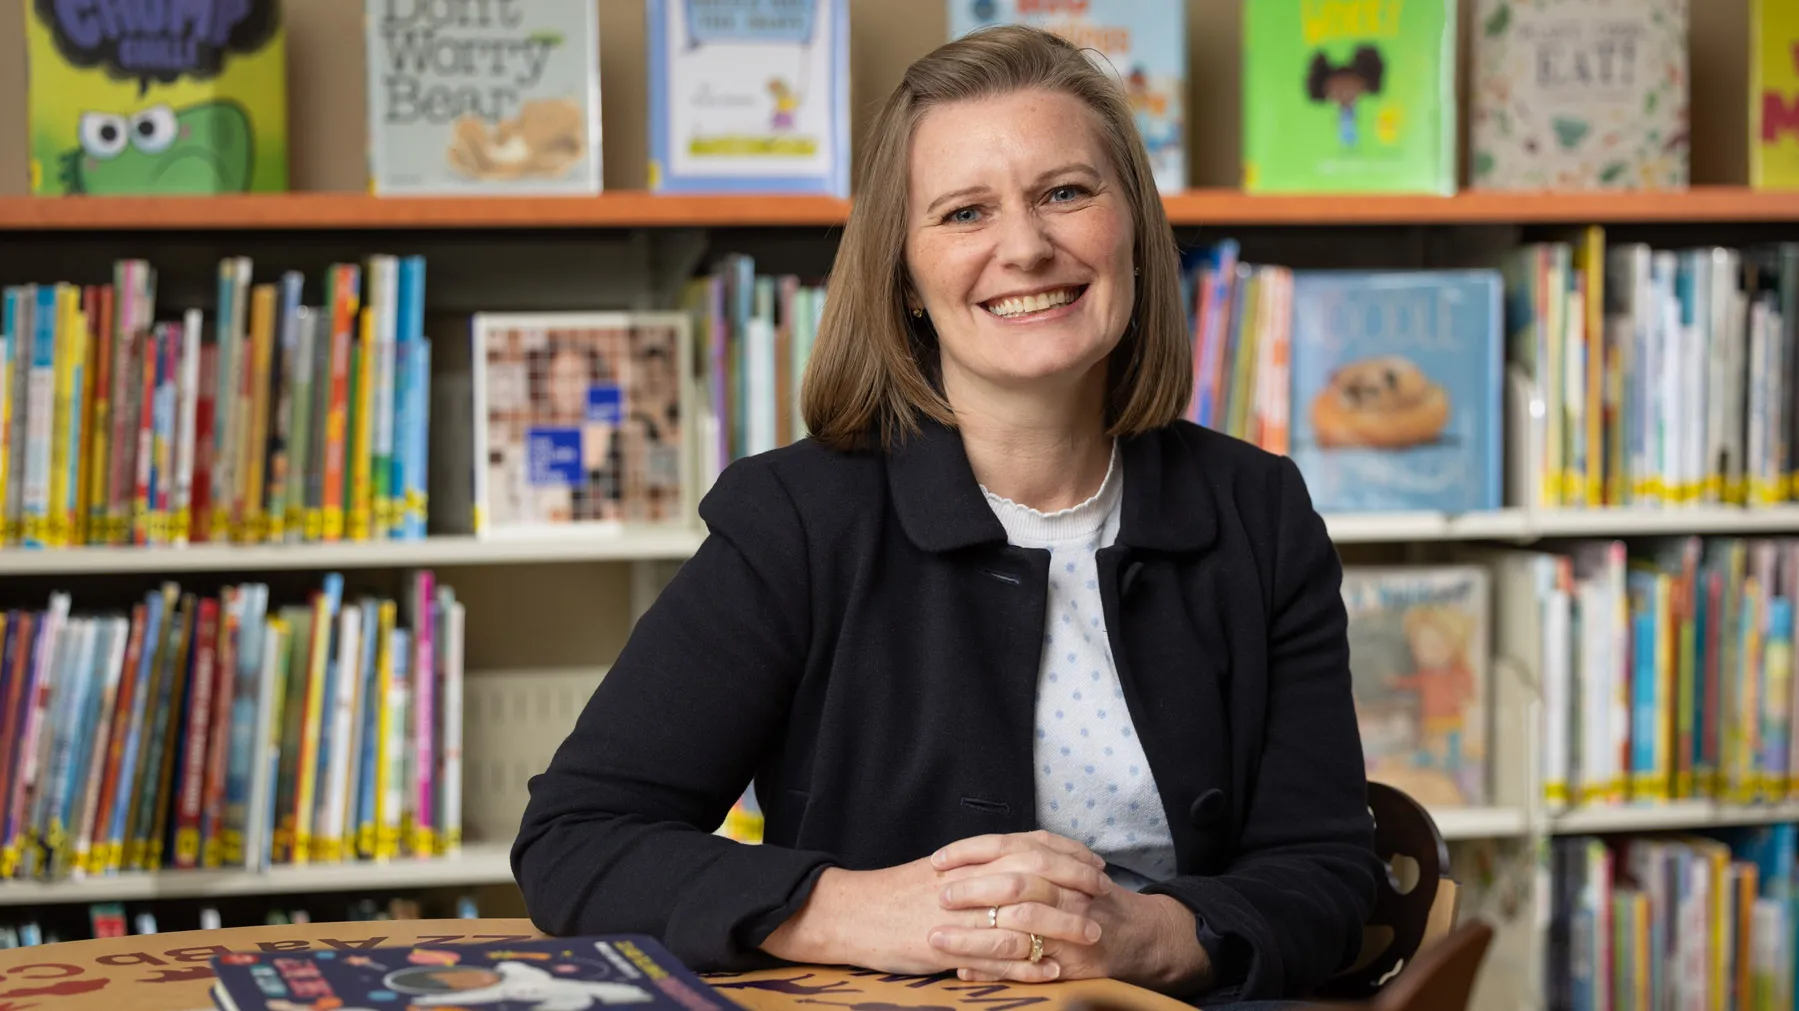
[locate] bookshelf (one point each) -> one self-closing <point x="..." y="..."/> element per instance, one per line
<point x="1214" y="207"/>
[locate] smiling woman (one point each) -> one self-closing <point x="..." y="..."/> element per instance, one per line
<point x="1034" y="679"/>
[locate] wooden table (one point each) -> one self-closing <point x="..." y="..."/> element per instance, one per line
<point x="172" y="972"/>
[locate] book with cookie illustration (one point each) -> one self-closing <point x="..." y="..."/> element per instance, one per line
<point x="1142" y="44"/>
<point x="1395" y="395"/>
<point x="1418" y="638"/>
<point x="1579" y="94"/>
<point x="123" y="100"/>
<point x="483" y="98"/>
<point x="1349" y="97"/>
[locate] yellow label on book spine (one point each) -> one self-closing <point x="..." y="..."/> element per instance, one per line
<point x="220" y="528"/>
<point x="187" y="845"/>
<point x="181" y="525"/>
<point x="315" y="525"/>
<point x="334" y="524"/>
<point x="359" y="524"/>
<point x="295" y="519"/>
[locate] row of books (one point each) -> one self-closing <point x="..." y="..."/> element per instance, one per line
<point x="1672" y="922"/>
<point x="220" y="731"/>
<point x="271" y="422"/>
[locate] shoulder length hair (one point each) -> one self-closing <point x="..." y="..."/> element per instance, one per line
<point x="874" y="369"/>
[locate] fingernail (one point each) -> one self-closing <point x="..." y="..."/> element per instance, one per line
<point x="937" y="859"/>
<point x="961" y="973"/>
<point x="936" y="938"/>
<point x="1054" y="970"/>
<point x="1092" y="933"/>
<point x="946" y="896"/>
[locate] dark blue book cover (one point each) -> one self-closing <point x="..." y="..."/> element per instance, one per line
<point x="567" y="974"/>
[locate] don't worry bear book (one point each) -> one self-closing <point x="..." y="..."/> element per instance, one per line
<point x="568" y="974"/>
<point x="156" y="98"/>
<point x="1396" y="389"/>
<point x="1349" y="96"/>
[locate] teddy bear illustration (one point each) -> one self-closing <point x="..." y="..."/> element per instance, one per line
<point x="541" y="142"/>
<point x="1386" y="402"/>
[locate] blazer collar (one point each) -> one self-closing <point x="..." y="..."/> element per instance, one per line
<point x="1167" y="505"/>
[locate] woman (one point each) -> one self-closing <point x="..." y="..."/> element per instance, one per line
<point x="1034" y="679"/>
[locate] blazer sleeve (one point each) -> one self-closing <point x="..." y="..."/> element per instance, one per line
<point x="1287" y="913"/>
<point x="617" y="836"/>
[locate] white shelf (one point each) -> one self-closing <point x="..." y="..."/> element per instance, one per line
<point x="430" y="552"/>
<point x="1529" y="525"/>
<point x="1676" y="815"/>
<point x="480" y="864"/>
<point x="1479" y="822"/>
<point x="1377" y="528"/>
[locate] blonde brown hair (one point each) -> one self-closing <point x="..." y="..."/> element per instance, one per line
<point x="872" y="366"/>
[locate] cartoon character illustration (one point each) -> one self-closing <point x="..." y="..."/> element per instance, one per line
<point x="1439" y="638"/>
<point x="541" y="142"/>
<point x="1345" y="85"/>
<point x="1385" y="402"/>
<point x="199" y="149"/>
<point x="466" y="985"/>
<point x="787" y="102"/>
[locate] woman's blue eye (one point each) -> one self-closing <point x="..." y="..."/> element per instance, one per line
<point x="1065" y="192"/>
<point x="964" y="215"/>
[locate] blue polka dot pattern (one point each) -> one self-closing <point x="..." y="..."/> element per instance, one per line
<point x="1077" y="692"/>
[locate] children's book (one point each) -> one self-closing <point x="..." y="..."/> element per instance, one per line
<point x="483" y="98"/>
<point x="580" y="421"/>
<point x="749" y="96"/>
<point x="1579" y="94"/>
<point x="1343" y="96"/>
<point x="1142" y="43"/>
<point x="1418" y="649"/>
<point x="1773" y="94"/>
<point x="1396" y="389"/>
<point x="156" y="98"/>
<point x="568" y="974"/>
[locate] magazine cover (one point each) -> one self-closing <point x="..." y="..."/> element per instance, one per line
<point x="749" y="96"/>
<point x="1579" y="94"/>
<point x="567" y="974"/>
<point x="1396" y="389"/>
<point x="1336" y="103"/>
<point x="1143" y="43"/>
<point x="1418" y="648"/>
<point x="1774" y="94"/>
<point x="579" y="421"/>
<point x="468" y="98"/>
<point x="156" y="104"/>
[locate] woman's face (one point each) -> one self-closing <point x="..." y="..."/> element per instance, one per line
<point x="1018" y="241"/>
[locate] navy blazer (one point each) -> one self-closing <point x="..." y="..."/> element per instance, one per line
<point x="856" y="634"/>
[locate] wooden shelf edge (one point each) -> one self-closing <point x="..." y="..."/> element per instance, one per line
<point x="1218" y="207"/>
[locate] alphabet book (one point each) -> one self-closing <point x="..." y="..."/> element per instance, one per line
<point x="483" y="96"/>
<point x="1774" y="94"/>
<point x="134" y="97"/>
<point x="1349" y="96"/>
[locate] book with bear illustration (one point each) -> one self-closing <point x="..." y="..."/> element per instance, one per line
<point x="1349" y="96"/>
<point x="1141" y="43"/>
<point x="1418" y="648"/>
<point x="1396" y="380"/>
<point x="162" y="102"/>
<point x="483" y="98"/>
<point x="1579" y="94"/>
<point x="749" y="96"/>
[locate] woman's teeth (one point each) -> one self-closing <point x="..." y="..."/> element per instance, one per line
<point x="1020" y="305"/>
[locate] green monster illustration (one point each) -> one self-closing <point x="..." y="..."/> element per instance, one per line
<point x="203" y="148"/>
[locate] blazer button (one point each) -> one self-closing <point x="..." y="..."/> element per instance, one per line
<point x="1208" y="810"/>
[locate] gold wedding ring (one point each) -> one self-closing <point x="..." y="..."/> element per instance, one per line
<point x="992" y="916"/>
<point x="1036" y="949"/>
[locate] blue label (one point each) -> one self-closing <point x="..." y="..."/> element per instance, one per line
<point x="554" y="456"/>
<point x="605" y="404"/>
<point x="749" y="21"/>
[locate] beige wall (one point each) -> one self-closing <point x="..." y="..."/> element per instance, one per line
<point x="326" y="91"/>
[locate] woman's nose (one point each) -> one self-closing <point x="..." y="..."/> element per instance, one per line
<point x="1024" y="240"/>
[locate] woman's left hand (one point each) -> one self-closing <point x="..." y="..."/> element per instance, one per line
<point x="1148" y="940"/>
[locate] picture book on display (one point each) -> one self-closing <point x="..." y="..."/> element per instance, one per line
<point x="483" y="98"/>
<point x="1142" y="43"/>
<point x="1349" y="96"/>
<point x="1396" y="389"/>
<point x="1579" y="94"/>
<point x="163" y="100"/>
<point x="749" y="96"/>
<point x="1773" y="94"/>
<point x="567" y="974"/>
<point x="1418" y="662"/>
<point x="580" y="421"/>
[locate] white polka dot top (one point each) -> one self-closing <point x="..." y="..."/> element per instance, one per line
<point x="1093" y="782"/>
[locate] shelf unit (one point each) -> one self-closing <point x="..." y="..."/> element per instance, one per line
<point x="349" y="211"/>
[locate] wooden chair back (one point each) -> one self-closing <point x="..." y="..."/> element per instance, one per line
<point x="1417" y="902"/>
<point x="1441" y="977"/>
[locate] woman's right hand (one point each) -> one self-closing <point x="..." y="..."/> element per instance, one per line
<point x="883" y="919"/>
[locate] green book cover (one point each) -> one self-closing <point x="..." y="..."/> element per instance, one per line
<point x="156" y="98"/>
<point x="1349" y="96"/>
